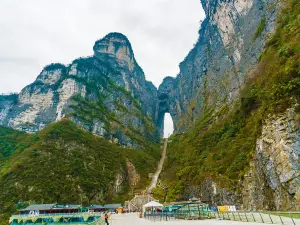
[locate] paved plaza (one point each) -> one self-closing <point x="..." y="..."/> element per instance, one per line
<point x="132" y="219"/>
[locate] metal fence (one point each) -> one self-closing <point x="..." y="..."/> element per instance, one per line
<point x="59" y="218"/>
<point x="265" y="217"/>
<point x="166" y="216"/>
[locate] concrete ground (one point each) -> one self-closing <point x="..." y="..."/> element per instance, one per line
<point x="132" y="219"/>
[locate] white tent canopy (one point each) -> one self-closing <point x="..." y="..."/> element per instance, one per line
<point x="152" y="204"/>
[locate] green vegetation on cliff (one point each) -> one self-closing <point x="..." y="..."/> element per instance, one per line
<point x="10" y="141"/>
<point x="260" y="28"/>
<point x="111" y="108"/>
<point x="65" y="164"/>
<point x="221" y="145"/>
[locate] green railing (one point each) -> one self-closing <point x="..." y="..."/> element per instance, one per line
<point x="58" y="218"/>
<point x="166" y="216"/>
<point x="258" y="217"/>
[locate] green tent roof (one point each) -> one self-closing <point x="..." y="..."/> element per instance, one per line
<point x="67" y="206"/>
<point x="112" y="206"/>
<point x="39" y="207"/>
<point x="95" y="207"/>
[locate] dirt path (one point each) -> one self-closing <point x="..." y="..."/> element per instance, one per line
<point x="159" y="167"/>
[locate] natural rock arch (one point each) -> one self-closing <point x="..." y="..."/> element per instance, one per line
<point x="164" y="103"/>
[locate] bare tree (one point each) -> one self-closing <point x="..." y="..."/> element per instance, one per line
<point x="165" y="187"/>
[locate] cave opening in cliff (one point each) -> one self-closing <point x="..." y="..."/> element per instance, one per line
<point x="168" y="125"/>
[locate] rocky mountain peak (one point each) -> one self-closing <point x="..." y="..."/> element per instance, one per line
<point x="51" y="73"/>
<point x="167" y="84"/>
<point x="216" y="6"/>
<point x="208" y="6"/>
<point x="102" y="93"/>
<point x="115" y="44"/>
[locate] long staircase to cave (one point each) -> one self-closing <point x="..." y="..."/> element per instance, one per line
<point x="136" y="204"/>
<point x="159" y="167"/>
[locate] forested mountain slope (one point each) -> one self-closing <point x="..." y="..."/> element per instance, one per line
<point x="65" y="164"/>
<point x="249" y="147"/>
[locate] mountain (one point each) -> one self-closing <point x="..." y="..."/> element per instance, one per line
<point x="55" y="134"/>
<point x="231" y="39"/>
<point x="106" y="93"/>
<point x="66" y="164"/>
<point x="234" y="104"/>
<point x="235" y="107"/>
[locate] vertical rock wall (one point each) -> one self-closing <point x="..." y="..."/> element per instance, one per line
<point x="224" y="56"/>
<point x="273" y="181"/>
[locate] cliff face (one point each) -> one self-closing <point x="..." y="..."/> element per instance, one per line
<point x="106" y="93"/>
<point x="274" y="176"/>
<point x="230" y="41"/>
<point x="235" y="108"/>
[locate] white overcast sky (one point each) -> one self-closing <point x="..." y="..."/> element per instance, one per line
<point x="35" y="33"/>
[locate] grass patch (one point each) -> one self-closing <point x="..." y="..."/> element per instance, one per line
<point x="260" y="28"/>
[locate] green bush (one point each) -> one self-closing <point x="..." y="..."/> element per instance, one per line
<point x="260" y="28"/>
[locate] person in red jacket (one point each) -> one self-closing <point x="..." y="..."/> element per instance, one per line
<point x="106" y="218"/>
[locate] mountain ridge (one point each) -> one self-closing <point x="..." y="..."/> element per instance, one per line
<point x="223" y="59"/>
<point x="112" y="75"/>
<point x="234" y="104"/>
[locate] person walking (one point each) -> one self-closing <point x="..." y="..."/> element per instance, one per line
<point x="106" y="218"/>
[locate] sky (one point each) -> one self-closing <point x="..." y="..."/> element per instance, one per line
<point x="35" y="33"/>
<point x="168" y="125"/>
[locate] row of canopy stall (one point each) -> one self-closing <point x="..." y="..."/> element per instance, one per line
<point x="186" y="209"/>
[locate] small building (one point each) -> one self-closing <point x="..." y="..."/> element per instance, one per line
<point x="68" y="208"/>
<point x="113" y="208"/>
<point x="37" y="209"/>
<point x="96" y="208"/>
